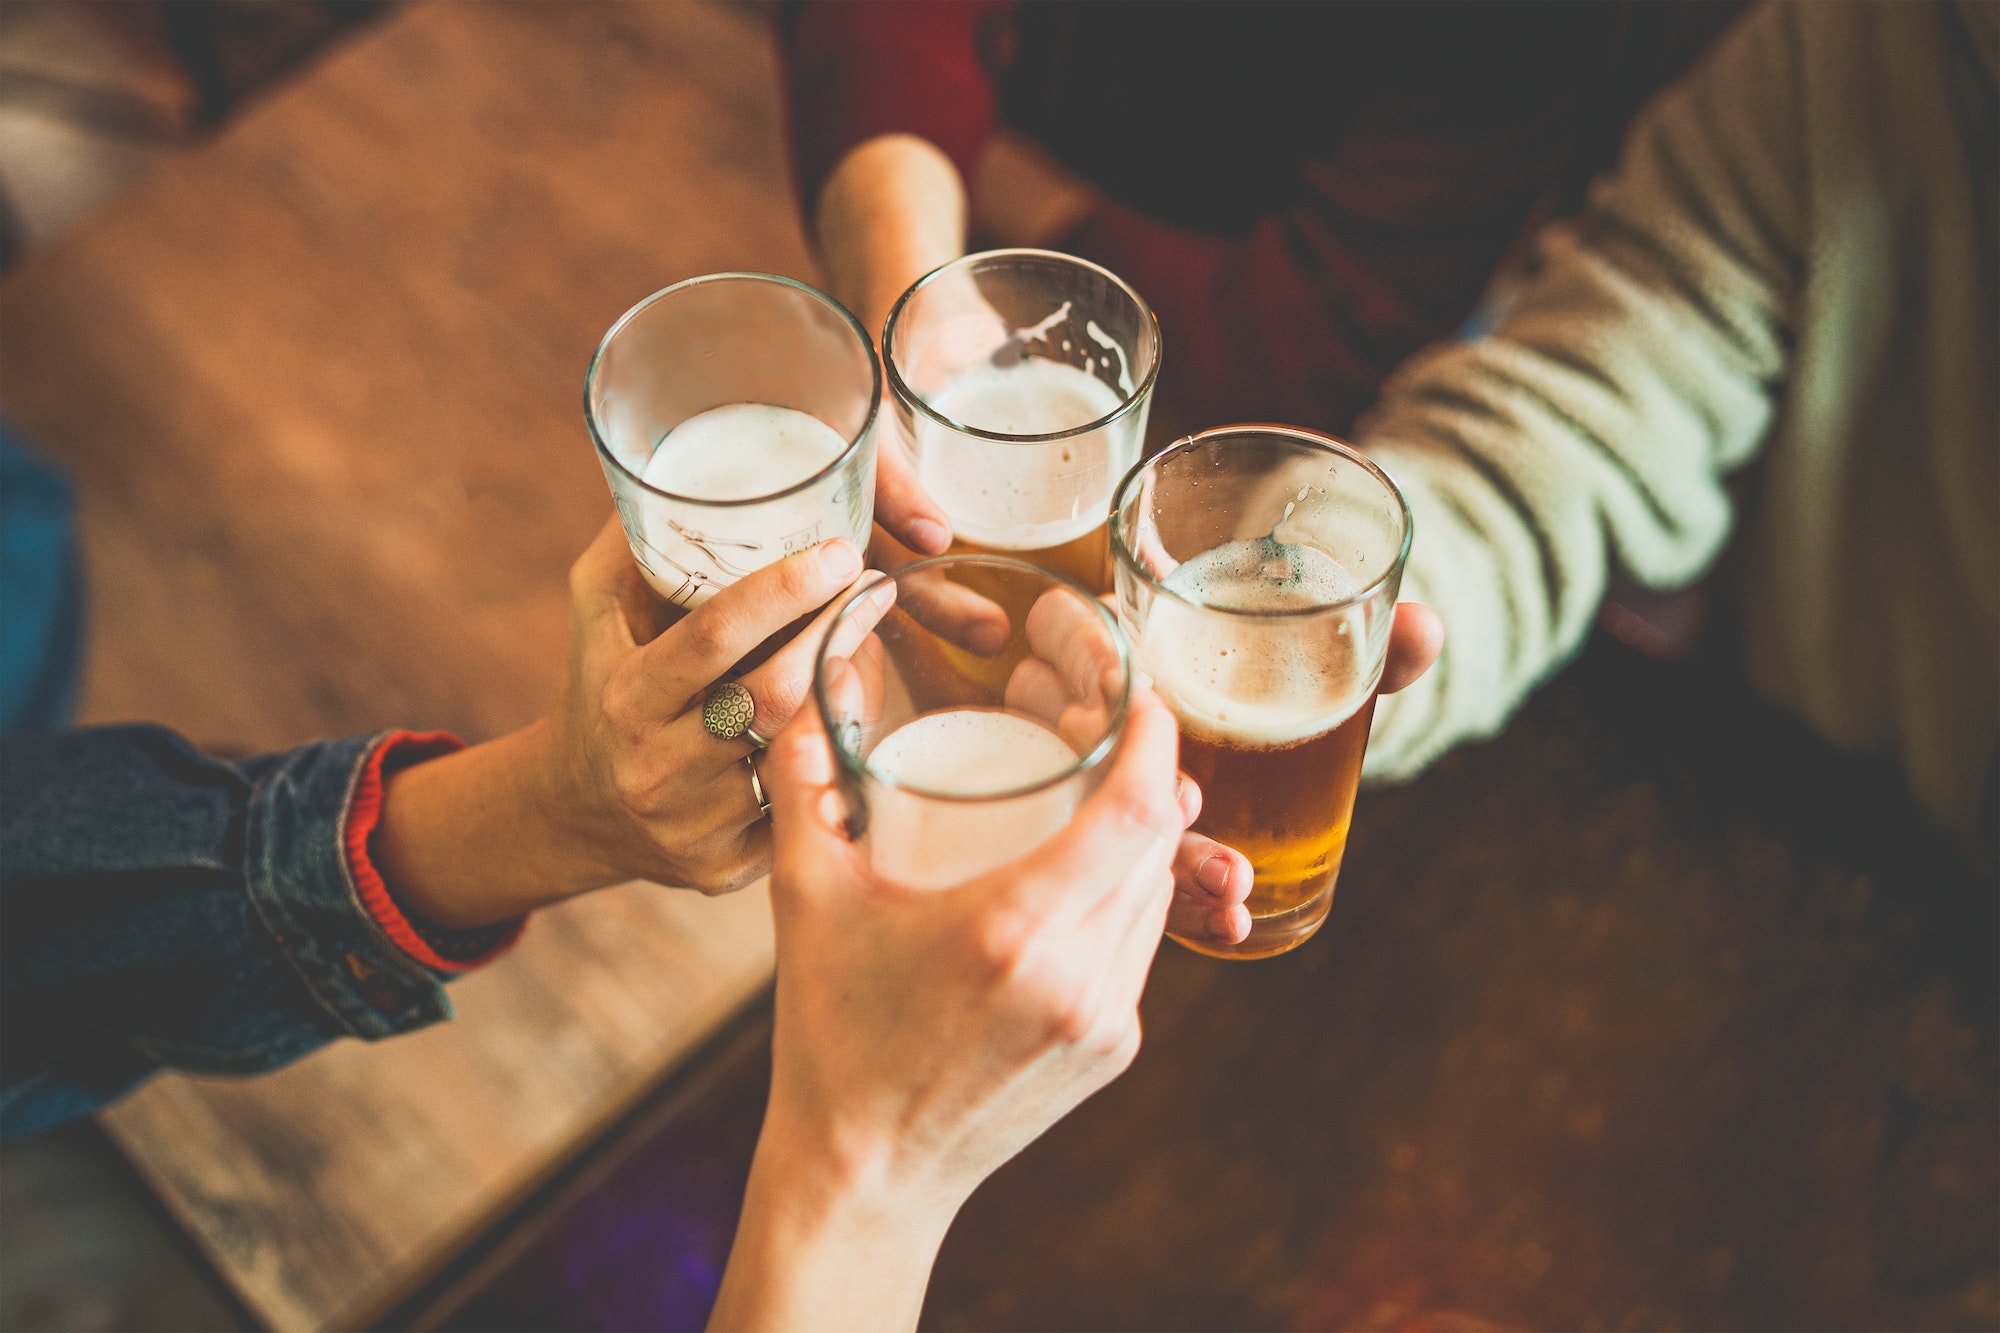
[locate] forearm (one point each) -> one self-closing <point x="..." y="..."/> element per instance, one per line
<point x="1588" y="437"/>
<point x="821" y="1247"/>
<point x="485" y="834"/>
<point x="891" y="211"/>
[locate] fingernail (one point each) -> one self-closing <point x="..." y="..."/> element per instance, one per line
<point x="1214" y="873"/>
<point x="838" y="559"/>
<point x="932" y="538"/>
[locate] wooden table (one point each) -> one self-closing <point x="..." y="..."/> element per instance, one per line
<point x="1652" y="1013"/>
<point x="319" y="385"/>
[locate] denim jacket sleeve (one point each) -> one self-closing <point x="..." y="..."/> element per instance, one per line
<point x="159" y="907"/>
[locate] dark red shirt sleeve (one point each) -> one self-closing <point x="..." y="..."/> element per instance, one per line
<point x="434" y="946"/>
<point x="860" y="68"/>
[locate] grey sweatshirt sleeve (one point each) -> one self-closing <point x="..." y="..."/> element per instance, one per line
<point x="1587" y="438"/>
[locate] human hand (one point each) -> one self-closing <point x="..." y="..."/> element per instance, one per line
<point x="661" y="797"/>
<point x="622" y="782"/>
<point x="1212" y="882"/>
<point x="923" y="1037"/>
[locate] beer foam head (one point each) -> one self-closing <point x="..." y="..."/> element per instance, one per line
<point x="971" y="752"/>
<point x="925" y="843"/>
<point x="742" y="451"/>
<point x="1024" y="497"/>
<point x="1250" y="679"/>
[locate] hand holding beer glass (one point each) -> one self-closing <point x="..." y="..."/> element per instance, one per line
<point x="1258" y="568"/>
<point x="924" y="1036"/>
<point x="734" y="418"/>
<point x="949" y="772"/>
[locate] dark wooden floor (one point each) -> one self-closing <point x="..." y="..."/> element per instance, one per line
<point x="1653" y="1013"/>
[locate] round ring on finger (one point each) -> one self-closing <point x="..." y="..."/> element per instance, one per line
<point x="757" y="786"/>
<point x="727" y="711"/>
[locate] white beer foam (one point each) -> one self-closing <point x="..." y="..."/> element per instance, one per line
<point x="1023" y="497"/>
<point x="742" y="451"/>
<point x="926" y="843"/>
<point x="1251" y="681"/>
<point x="971" y="752"/>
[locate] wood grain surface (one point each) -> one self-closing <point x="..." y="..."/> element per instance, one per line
<point x="318" y="383"/>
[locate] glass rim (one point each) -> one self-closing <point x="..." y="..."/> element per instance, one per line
<point x="905" y="394"/>
<point x="733" y="275"/>
<point x="1120" y="542"/>
<point x="859" y="767"/>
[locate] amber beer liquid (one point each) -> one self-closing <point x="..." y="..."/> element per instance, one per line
<point x="1287" y="808"/>
<point x="1045" y="502"/>
<point x="1274" y="715"/>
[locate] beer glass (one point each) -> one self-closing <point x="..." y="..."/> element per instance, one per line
<point x="945" y="774"/>
<point x="1021" y="380"/>
<point x="734" y="415"/>
<point x="1257" y="575"/>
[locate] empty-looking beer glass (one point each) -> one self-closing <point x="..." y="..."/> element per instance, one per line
<point x="946" y="775"/>
<point x="1021" y="380"/>
<point x="734" y="415"/>
<point x="1257" y="575"/>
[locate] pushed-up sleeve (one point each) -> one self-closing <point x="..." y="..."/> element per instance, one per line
<point x="1587" y="438"/>
<point x="162" y="908"/>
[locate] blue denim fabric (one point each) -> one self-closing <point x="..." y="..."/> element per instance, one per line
<point x="41" y="594"/>
<point x="162" y="908"/>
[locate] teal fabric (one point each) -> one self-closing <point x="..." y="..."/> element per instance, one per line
<point x="41" y="594"/>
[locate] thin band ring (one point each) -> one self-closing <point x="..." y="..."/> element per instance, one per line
<point x="750" y="734"/>
<point x="757" y="786"/>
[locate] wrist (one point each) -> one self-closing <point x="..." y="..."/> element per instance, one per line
<point x="890" y="212"/>
<point x="485" y="834"/>
<point x="829" y="1239"/>
<point x="576" y="829"/>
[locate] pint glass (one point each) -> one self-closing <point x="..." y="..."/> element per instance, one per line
<point x="1021" y="380"/>
<point x="1257" y="576"/>
<point x="945" y="775"/>
<point x="734" y="415"/>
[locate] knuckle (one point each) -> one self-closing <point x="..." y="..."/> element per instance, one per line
<point x="1002" y="942"/>
<point x="618" y="700"/>
<point x="706" y="637"/>
<point x="632" y="785"/>
<point x="1154" y="809"/>
<point x="714" y="875"/>
<point x="1071" y="1020"/>
<point x="1123" y="1047"/>
<point x="779" y="698"/>
<point x="796" y="581"/>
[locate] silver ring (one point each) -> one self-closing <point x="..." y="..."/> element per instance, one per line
<point x="757" y="786"/>
<point x="727" y="710"/>
<point x="750" y="734"/>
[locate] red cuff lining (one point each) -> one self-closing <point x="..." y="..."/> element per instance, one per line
<point x="363" y="813"/>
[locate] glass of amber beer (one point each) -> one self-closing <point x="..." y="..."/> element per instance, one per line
<point x="1257" y="575"/>
<point x="1021" y="381"/>
<point x="948" y="772"/>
